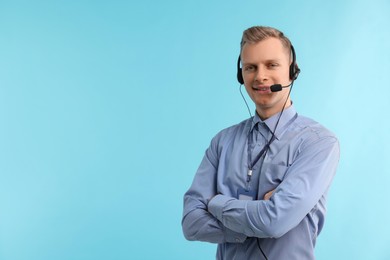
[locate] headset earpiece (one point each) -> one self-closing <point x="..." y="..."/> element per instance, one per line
<point x="239" y="71"/>
<point x="294" y="69"/>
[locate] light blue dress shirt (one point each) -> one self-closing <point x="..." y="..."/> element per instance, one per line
<point x="299" y="164"/>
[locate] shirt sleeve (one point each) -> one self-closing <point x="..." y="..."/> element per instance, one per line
<point x="305" y="182"/>
<point x="198" y="223"/>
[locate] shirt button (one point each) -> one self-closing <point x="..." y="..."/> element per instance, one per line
<point x="237" y="239"/>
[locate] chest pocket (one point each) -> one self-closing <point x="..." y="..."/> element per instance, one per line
<point x="272" y="175"/>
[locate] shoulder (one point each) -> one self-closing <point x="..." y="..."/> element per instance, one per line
<point x="227" y="137"/>
<point x="231" y="133"/>
<point x="311" y="131"/>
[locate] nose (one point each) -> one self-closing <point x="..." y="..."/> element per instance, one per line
<point x="260" y="75"/>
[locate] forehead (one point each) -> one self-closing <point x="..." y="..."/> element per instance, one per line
<point x="267" y="49"/>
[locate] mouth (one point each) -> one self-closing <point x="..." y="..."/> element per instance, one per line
<point x="261" y="89"/>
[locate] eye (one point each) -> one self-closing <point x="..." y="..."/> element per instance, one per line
<point x="272" y="65"/>
<point x="249" y="68"/>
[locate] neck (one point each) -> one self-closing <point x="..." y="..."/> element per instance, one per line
<point x="265" y="113"/>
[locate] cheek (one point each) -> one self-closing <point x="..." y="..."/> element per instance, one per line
<point x="249" y="91"/>
<point x="286" y="74"/>
<point x="248" y="78"/>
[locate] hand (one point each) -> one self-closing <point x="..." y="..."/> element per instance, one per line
<point x="268" y="194"/>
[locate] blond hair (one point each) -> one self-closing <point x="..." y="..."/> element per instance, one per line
<point x="256" y="34"/>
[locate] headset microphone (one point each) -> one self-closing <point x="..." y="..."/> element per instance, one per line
<point x="278" y="87"/>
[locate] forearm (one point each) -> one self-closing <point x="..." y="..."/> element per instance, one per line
<point x="260" y="218"/>
<point x="233" y="214"/>
<point x="198" y="224"/>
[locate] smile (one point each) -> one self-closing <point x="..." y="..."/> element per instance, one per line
<point x="262" y="88"/>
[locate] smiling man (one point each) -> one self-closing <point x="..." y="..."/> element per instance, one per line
<point x="266" y="63"/>
<point x="260" y="190"/>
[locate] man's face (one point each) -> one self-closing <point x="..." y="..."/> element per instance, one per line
<point x="263" y="64"/>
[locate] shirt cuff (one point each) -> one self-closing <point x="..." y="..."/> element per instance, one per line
<point x="233" y="237"/>
<point x="216" y="205"/>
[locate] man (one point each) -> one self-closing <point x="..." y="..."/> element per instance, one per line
<point x="260" y="190"/>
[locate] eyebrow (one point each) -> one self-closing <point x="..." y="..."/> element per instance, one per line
<point x="266" y="61"/>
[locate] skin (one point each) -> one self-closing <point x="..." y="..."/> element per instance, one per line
<point x="263" y="64"/>
<point x="268" y="195"/>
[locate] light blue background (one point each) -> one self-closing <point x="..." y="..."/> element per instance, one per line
<point x="106" y="108"/>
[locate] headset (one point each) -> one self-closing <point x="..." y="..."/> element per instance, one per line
<point x="293" y="70"/>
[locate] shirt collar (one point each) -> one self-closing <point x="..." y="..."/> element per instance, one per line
<point x="288" y="114"/>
